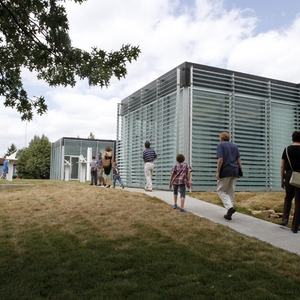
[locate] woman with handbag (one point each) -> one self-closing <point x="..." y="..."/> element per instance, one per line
<point x="107" y="164"/>
<point x="291" y="162"/>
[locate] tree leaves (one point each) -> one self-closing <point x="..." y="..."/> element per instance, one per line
<point x="34" y="35"/>
<point x="34" y="161"/>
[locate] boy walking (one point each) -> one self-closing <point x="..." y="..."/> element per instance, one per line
<point x="180" y="179"/>
<point x="117" y="176"/>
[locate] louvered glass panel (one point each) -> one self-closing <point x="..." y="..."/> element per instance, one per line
<point x="155" y="122"/>
<point x="166" y="140"/>
<point x="208" y="79"/>
<point x="283" y="120"/>
<point x="288" y="92"/>
<point x="251" y="87"/>
<point x="250" y="135"/>
<point x="210" y="118"/>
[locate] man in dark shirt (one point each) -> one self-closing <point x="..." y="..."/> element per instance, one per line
<point x="148" y="156"/>
<point x="229" y="162"/>
<point x="290" y="161"/>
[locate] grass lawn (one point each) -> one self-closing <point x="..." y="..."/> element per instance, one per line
<point x="69" y="240"/>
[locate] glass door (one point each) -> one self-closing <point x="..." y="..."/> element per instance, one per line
<point x="74" y="167"/>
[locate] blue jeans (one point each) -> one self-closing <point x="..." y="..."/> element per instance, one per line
<point x="94" y="177"/>
<point x="117" y="177"/>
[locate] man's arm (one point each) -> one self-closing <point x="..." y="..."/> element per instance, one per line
<point x="239" y="161"/>
<point x="219" y="166"/>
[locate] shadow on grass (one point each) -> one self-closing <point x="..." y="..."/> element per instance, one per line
<point x="48" y="263"/>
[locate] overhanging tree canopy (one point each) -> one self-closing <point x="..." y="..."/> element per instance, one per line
<point x="34" y="35"/>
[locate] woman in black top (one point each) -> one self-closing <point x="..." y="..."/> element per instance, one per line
<point x="291" y="191"/>
<point x="107" y="169"/>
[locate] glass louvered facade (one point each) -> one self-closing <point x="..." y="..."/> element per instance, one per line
<point x="69" y="150"/>
<point x="186" y="109"/>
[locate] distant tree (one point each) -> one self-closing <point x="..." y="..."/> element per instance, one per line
<point x="34" y="35"/>
<point x="34" y="161"/>
<point x="91" y="136"/>
<point x="11" y="150"/>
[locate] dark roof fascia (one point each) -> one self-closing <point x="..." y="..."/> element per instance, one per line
<point x="188" y="65"/>
<point x="240" y="74"/>
<point x="83" y="139"/>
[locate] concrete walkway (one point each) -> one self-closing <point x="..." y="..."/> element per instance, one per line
<point x="276" y="235"/>
<point x="13" y="186"/>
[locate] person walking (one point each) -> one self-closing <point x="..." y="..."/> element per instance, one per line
<point x="107" y="164"/>
<point x="149" y="156"/>
<point x="180" y="179"/>
<point x="100" y="170"/>
<point x="228" y="165"/>
<point x="93" y="165"/>
<point x="5" y="169"/>
<point x="290" y="161"/>
<point x="116" y="175"/>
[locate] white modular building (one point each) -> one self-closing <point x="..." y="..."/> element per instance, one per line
<point x="68" y="154"/>
<point x="186" y="109"/>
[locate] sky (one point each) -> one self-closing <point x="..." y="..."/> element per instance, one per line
<point x="260" y="37"/>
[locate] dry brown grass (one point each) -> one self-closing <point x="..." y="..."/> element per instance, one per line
<point x="112" y="212"/>
<point x="129" y="221"/>
<point x="71" y="206"/>
<point x="54" y="202"/>
<point x="249" y="202"/>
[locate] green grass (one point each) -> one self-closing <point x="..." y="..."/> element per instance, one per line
<point x="113" y="244"/>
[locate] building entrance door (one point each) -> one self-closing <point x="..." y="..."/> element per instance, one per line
<point x="74" y="167"/>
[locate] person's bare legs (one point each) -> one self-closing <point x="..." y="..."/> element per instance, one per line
<point x="182" y="200"/>
<point x="175" y="201"/>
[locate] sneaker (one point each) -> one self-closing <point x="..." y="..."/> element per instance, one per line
<point x="230" y="212"/>
<point x="182" y="210"/>
<point x="175" y="206"/>
<point x="227" y="217"/>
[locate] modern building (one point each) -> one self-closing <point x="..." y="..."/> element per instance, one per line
<point x="69" y="153"/>
<point x="185" y="110"/>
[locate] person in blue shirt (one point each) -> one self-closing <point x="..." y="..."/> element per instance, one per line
<point x="5" y="169"/>
<point x="229" y="162"/>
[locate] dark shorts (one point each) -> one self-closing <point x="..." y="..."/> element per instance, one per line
<point x="181" y="188"/>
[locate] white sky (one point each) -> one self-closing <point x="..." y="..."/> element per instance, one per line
<point x="260" y="37"/>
